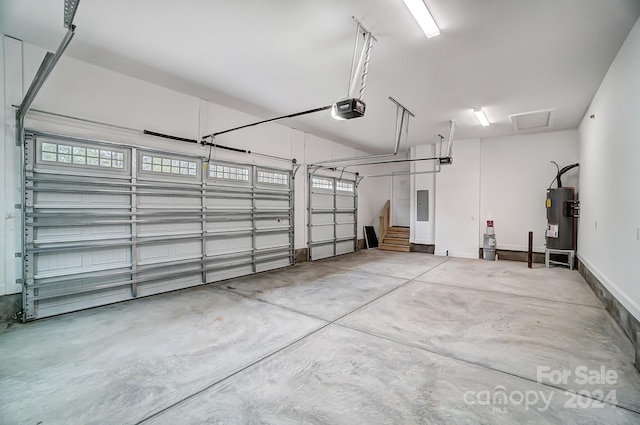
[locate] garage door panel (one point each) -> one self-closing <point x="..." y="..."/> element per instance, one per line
<point x="168" y="280"/>
<point x="319" y="219"/>
<point x="228" y="203"/>
<point x="156" y="201"/>
<point x="45" y="199"/>
<point x="344" y="203"/>
<point x="56" y="263"/>
<point x="269" y="240"/>
<point x="101" y="228"/>
<point x="272" y="204"/>
<point x="219" y="246"/>
<point x="344" y="247"/>
<point x="229" y="273"/>
<point x="321" y="233"/>
<point x="170" y="251"/>
<point x="154" y="229"/>
<point x="322" y="200"/>
<point x="274" y="223"/>
<point x="229" y="226"/>
<point x="67" y="233"/>
<point x="344" y="231"/>
<point x="333" y="216"/>
<point x="322" y="251"/>
<point x="99" y="296"/>
<point x="272" y="264"/>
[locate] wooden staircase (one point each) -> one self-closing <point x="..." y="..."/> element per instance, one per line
<point x="396" y="239"/>
<point x="392" y="238"/>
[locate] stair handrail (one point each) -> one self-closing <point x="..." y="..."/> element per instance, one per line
<point x="385" y="219"/>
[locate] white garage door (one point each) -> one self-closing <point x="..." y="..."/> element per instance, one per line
<point x="106" y="222"/>
<point x="333" y="212"/>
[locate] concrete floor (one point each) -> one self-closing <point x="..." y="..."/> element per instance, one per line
<point x="368" y="338"/>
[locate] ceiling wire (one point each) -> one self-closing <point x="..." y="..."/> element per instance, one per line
<point x="554" y="179"/>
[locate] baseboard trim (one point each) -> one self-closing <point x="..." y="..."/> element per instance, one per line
<point x="620" y="314"/>
<point x="511" y="255"/>
<point x="456" y="254"/>
<point x="423" y="248"/>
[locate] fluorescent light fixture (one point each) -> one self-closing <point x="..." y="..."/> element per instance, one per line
<point x="421" y="14"/>
<point x="481" y="117"/>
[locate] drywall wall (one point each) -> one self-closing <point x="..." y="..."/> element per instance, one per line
<point x="503" y="179"/>
<point x="10" y="229"/>
<point x="79" y="89"/>
<point x="515" y="172"/>
<point x="457" y="202"/>
<point x="609" y="231"/>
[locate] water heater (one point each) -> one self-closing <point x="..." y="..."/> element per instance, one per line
<point x="562" y="211"/>
<point x="561" y="206"/>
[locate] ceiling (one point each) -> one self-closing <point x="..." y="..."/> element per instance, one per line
<point x="271" y="58"/>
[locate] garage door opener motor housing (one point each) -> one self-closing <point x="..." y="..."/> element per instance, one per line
<point x="347" y="109"/>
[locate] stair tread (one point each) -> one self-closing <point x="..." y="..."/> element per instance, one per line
<point x="392" y="247"/>
<point x="396" y="241"/>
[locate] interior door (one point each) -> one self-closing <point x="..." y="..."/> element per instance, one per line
<point x="400" y="201"/>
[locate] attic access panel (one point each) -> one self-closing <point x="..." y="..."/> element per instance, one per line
<point x="530" y="121"/>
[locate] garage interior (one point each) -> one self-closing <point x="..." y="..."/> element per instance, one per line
<point x="320" y="212"/>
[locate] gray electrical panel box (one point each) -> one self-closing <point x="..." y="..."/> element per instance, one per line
<point x="422" y="205"/>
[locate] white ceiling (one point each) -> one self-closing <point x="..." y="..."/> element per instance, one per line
<point x="276" y="57"/>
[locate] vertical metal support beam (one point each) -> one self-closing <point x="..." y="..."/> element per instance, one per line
<point x="135" y="254"/>
<point x="29" y="307"/>
<point x="254" y="227"/>
<point x="335" y="217"/>
<point x="203" y="218"/>
<point x="309" y="214"/>
<point x="355" y="212"/>
<point x="292" y="216"/>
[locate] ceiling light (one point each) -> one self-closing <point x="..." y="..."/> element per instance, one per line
<point x="421" y="14"/>
<point x="481" y="117"/>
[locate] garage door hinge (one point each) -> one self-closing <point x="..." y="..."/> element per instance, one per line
<point x="18" y="206"/>
<point x="19" y="281"/>
<point x="18" y="255"/>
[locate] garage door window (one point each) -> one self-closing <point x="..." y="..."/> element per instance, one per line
<point x="68" y="154"/>
<point x="344" y="186"/>
<point x="229" y="173"/>
<point x="167" y="165"/>
<point x="318" y="183"/>
<point x="273" y="177"/>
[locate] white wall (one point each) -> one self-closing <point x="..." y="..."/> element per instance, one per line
<point x="609" y="233"/>
<point x="503" y="179"/>
<point x="457" y="202"/>
<point x="515" y="173"/>
<point x="10" y="193"/>
<point x="83" y="90"/>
